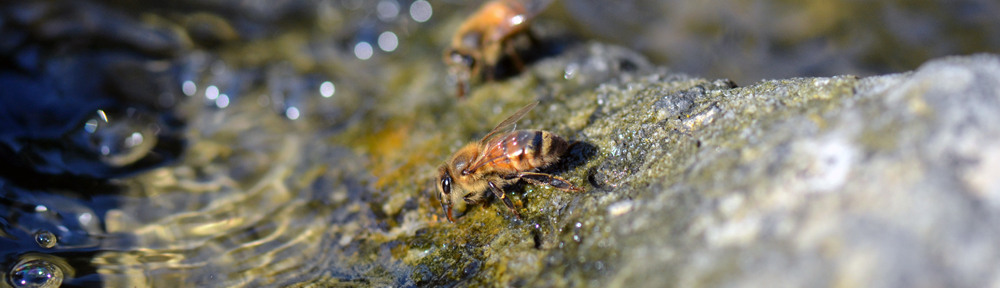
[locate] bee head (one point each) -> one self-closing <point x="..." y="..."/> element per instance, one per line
<point x="444" y="185"/>
<point x="456" y="58"/>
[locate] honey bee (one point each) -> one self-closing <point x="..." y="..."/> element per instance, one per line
<point x="484" y="37"/>
<point x="498" y="160"/>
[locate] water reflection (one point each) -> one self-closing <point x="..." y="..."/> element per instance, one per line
<point x="388" y="41"/>
<point x="327" y="89"/>
<point x="222" y="101"/>
<point x="189" y="88"/>
<point x="387" y="10"/>
<point x="292" y="113"/>
<point x="363" y="50"/>
<point x="421" y="11"/>
<point x="212" y="92"/>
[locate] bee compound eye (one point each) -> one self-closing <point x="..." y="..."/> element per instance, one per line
<point x="459" y="58"/>
<point x="468" y="61"/>
<point x="446" y="185"/>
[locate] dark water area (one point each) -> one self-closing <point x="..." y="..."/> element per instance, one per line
<point x="281" y="143"/>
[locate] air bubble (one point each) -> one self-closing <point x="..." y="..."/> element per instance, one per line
<point x="292" y="113"/>
<point x="421" y="11"/>
<point x="327" y="89"/>
<point x="388" y="41"/>
<point x="45" y="239"/>
<point x="212" y="92"/>
<point x="387" y="10"/>
<point x="120" y="142"/>
<point x="189" y="88"/>
<point x="222" y="101"/>
<point x="36" y="273"/>
<point x="91" y="126"/>
<point x="363" y="50"/>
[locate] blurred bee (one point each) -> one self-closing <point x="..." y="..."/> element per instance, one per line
<point x="498" y="160"/>
<point x="484" y="37"/>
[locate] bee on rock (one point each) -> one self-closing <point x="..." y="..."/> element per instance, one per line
<point x="481" y="41"/>
<point x="500" y="159"/>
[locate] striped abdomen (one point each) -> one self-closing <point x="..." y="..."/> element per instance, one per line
<point x="525" y="150"/>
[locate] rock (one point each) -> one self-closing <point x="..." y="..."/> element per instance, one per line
<point x="882" y="181"/>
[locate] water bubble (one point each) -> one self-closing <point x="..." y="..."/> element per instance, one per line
<point x="363" y="50"/>
<point x="421" y="11"/>
<point x="189" y="88"/>
<point x="327" y="89"/>
<point x="167" y="100"/>
<point x="352" y="4"/>
<point x="104" y="116"/>
<point x="41" y="208"/>
<point x="36" y="273"/>
<point x="387" y="10"/>
<point x="263" y="100"/>
<point x="222" y="101"/>
<point x="134" y="140"/>
<point x="388" y="41"/>
<point x="292" y="113"/>
<point x="571" y="71"/>
<point x="218" y="68"/>
<point x="122" y="141"/>
<point x="85" y="218"/>
<point x="91" y="125"/>
<point x="212" y="92"/>
<point x="45" y="239"/>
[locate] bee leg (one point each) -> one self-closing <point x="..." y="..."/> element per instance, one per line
<point x="532" y="38"/>
<point x="461" y="84"/>
<point x="512" y="53"/>
<point x="546" y="179"/>
<point x="499" y="193"/>
<point x="489" y="73"/>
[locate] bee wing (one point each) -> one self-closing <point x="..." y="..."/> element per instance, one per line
<point x="535" y="7"/>
<point x="487" y="154"/>
<point x="507" y="123"/>
<point x="490" y="149"/>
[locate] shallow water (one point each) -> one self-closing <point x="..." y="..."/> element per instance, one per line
<point x="223" y="143"/>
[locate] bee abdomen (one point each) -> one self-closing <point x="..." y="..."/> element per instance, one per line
<point x="537" y="149"/>
<point x="551" y="147"/>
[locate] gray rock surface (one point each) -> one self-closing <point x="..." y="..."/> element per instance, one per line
<point x="888" y="181"/>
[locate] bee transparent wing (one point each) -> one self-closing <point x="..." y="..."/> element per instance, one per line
<point x="507" y="123"/>
<point x="491" y="149"/>
<point x="535" y="7"/>
<point x="487" y="154"/>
